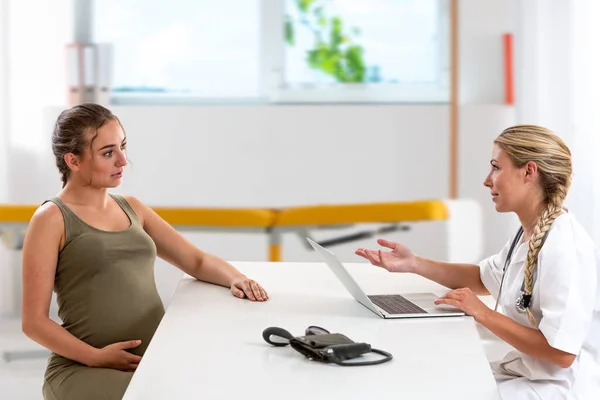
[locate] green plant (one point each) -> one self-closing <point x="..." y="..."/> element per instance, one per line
<point x="335" y="51"/>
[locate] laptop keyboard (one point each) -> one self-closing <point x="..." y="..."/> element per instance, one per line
<point x="396" y="304"/>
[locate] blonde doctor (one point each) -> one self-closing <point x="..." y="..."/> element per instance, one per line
<point x="546" y="278"/>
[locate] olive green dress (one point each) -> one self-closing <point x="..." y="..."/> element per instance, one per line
<point x="106" y="294"/>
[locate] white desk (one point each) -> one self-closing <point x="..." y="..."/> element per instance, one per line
<point x="209" y="344"/>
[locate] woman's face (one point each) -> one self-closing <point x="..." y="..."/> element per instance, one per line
<point x="509" y="185"/>
<point x="102" y="165"/>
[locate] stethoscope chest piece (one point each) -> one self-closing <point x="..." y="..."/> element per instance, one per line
<point x="523" y="302"/>
<point x="519" y="305"/>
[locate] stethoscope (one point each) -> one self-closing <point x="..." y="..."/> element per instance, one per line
<point x="523" y="302"/>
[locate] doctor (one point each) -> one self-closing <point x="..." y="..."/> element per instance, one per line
<point x="546" y="278"/>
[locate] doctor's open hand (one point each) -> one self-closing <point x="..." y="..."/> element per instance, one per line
<point x="399" y="259"/>
<point x="245" y="287"/>
<point x="466" y="301"/>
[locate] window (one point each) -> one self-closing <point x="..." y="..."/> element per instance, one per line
<point x="345" y="41"/>
<point x="276" y="50"/>
<point x="186" y="49"/>
<point x="375" y="51"/>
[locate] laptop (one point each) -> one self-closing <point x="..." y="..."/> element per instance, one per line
<point x="413" y="305"/>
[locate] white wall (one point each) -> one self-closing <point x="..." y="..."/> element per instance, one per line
<point x="274" y="156"/>
<point x="482" y="24"/>
<point x="6" y="276"/>
<point x="4" y="99"/>
<point x="38" y="31"/>
<point x="483" y="114"/>
<point x="480" y="124"/>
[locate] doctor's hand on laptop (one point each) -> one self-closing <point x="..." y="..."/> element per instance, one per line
<point x="465" y="300"/>
<point x="399" y="259"/>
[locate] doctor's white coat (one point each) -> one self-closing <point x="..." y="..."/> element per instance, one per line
<point x="566" y="305"/>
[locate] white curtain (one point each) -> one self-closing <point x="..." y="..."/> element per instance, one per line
<point x="558" y="86"/>
<point x="34" y="78"/>
<point x="585" y="76"/>
<point x="33" y="35"/>
<point x="3" y="101"/>
<point x="38" y="31"/>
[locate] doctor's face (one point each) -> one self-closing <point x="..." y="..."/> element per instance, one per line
<point x="506" y="182"/>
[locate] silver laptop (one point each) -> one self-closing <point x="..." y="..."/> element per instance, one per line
<point x="413" y="305"/>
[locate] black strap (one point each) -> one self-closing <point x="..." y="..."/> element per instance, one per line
<point x="386" y="357"/>
<point x="507" y="263"/>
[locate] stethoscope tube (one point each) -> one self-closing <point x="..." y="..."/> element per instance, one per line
<point x="507" y="263"/>
<point x="523" y="302"/>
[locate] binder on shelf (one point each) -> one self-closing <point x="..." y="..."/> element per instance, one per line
<point x="89" y="73"/>
<point x="74" y="74"/>
<point x="104" y="62"/>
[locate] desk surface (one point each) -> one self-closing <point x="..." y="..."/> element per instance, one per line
<point x="209" y="344"/>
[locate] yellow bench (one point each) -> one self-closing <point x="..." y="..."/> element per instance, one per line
<point x="272" y="222"/>
<point x="217" y="217"/>
<point x="303" y="217"/>
<point x="362" y="213"/>
<point x="13" y="214"/>
<point x="15" y="218"/>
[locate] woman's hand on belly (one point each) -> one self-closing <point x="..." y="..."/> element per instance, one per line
<point x="115" y="356"/>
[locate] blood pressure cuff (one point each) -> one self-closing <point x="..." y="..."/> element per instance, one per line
<point x="335" y="348"/>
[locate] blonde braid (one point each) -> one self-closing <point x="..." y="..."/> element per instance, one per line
<point x="552" y="211"/>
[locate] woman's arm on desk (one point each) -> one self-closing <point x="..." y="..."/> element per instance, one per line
<point x="401" y="259"/>
<point x="172" y="247"/>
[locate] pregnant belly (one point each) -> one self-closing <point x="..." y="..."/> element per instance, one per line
<point x="115" y="321"/>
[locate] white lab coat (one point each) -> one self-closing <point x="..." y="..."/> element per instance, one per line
<point x="566" y="305"/>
